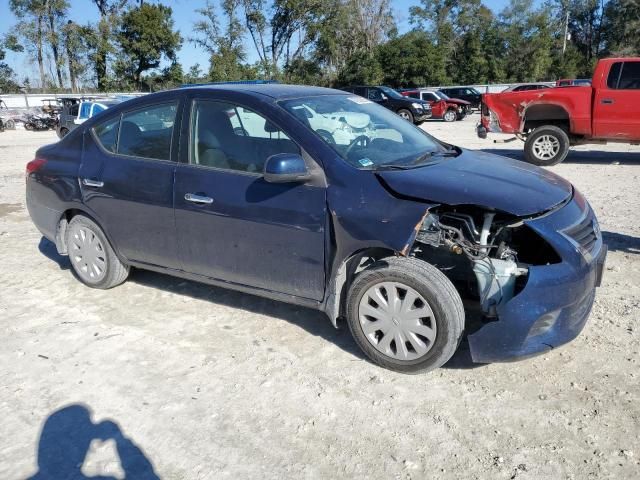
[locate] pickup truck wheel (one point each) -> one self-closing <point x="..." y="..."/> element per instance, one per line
<point x="405" y="315"/>
<point x="92" y="258"/>
<point x="546" y="146"/>
<point x="406" y="114"/>
<point x="450" y="116"/>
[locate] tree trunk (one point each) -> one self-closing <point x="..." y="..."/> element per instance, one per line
<point x="43" y="78"/>
<point x="54" y="47"/>
<point x="71" y="59"/>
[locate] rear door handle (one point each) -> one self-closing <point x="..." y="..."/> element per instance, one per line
<point x="92" y="183"/>
<point x="201" y="199"/>
<point x="607" y="101"/>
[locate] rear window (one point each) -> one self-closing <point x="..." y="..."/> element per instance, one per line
<point x="147" y="132"/>
<point x="107" y="134"/>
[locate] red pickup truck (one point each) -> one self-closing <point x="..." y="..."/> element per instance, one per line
<point x="549" y="121"/>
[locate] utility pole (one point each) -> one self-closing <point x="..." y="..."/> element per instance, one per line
<point x="566" y="33"/>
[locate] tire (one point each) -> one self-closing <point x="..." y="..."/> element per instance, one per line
<point x="28" y="126"/>
<point x="445" y="321"/>
<point x="10" y="124"/>
<point x="63" y="132"/>
<point x="450" y="116"/>
<point x="547" y="145"/>
<point x="406" y="114"/>
<point x="92" y="257"/>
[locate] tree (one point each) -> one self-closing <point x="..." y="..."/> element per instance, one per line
<point x="7" y="75"/>
<point x="76" y="46"/>
<point x="226" y="50"/>
<point x="100" y="39"/>
<point x="31" y="28"/>
<point x="621" y="27"/>
<point x="146" y="36"/>
<point x="55" y="11"/>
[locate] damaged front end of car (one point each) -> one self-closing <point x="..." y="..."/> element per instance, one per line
<point x="532" y="278"/>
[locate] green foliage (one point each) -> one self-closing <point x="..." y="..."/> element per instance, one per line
<point x="145" y="37"/>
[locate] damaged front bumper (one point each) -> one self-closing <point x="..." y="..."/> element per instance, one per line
<point x="554" y="305"/>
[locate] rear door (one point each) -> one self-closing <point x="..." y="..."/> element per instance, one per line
<point x="233" y="225"/>
<point x="127" y="176"/>
<point x="616" y="108"/>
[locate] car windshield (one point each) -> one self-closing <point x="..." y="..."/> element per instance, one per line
<point x="390" y="92"/>
<point x="365" y="134"/>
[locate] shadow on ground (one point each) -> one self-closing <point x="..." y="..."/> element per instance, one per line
<point x="619" y="242"/>
<point x="65" y="440"/>
<point x="577" y="157"/>
<point x="313" y="321"/>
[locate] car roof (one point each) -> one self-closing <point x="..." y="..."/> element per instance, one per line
<point x="274" y="90"/>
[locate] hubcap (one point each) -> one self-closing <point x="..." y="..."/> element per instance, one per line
<point x="404" y="115"/>
<point x="87" y="254"/>
<point x="545" y="147"/>
<point x="397" y="321"/>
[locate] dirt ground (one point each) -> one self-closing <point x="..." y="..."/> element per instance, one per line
<point x="200" y="382"/>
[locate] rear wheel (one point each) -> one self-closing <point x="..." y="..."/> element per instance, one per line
<point x="546" y="146"/>
<point x="10" y="124"/>
<point x="63" y="132"/>
<point x="406" y="114"/>
<point x="92" y="258"/>
<point x="405" y="315"/>
<point x="450" y="116"/>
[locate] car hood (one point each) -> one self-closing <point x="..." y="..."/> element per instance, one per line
<point x="483" y="179"/>
<point x="458" y="101"/>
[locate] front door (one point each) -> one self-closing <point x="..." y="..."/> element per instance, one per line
<point x="233" y="225"/>
<point x="616" y="109"/>
<point x="126" y="177"/>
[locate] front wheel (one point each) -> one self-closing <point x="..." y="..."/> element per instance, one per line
<point x="405" y="315"/>
<point x="546" y="146"/>
<point x="406" y="114"/>
<point x="450" y="116"/>
<point x="92" y="258"/>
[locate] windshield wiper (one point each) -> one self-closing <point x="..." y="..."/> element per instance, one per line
<point x="435" y="153"/>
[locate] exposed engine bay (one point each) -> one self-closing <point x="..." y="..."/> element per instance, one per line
<point x="495" y="248"/>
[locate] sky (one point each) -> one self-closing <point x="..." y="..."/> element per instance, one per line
<point x="184" y="15"/>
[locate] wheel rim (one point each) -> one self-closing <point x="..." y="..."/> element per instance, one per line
<point x="546" y="147"/>
<point x="450" y="116"/>
<point x="404" y="115"/>
<point x="397" y="321"/>
<point x="87" y="254"/>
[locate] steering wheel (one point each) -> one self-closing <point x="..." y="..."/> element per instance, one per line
<point x="361" y="141"/>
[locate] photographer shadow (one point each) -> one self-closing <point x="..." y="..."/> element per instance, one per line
<point x="65" y="440"/>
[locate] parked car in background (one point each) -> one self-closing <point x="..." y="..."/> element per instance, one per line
<point x="445" y="109"/>
<point x="75" y="111"/>
<point x="235" y="185"/>
<point x="552" y="120"/>
<point x="415" y="111"/>
<point x="525" y="87"/>
<point x="575" y="82"/>
<point x="468" y="94"/>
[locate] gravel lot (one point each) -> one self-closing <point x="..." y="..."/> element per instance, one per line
<point x="210" y="383"/>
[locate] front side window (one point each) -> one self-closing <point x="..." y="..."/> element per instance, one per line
<point x="630" y="76"/>
<point x="147" y="132"/>
<point x="232" y="137"/>
<point x="107" y="134"/>
<point x="430" y="97"/>
<point x="365" y="134"/>
<point x="97" y="108"/>
<point x="375" y="95"/>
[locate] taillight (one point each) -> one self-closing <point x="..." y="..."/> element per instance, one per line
<point x="35" y="165"/>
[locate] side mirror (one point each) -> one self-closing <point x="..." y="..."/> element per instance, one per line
<point x="286" y="168"/>
<point x="384" y="97"/>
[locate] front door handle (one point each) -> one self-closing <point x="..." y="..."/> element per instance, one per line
<point x="607" y="101"/>
<point x="92" y="183"/>
<point x="201" y="199"/>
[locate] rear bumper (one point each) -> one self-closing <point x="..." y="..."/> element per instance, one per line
<point x="45" y="219"/>
<point x="554" y="306"/>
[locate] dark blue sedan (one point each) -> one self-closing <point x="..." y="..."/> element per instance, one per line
<point x="324" y="199"/>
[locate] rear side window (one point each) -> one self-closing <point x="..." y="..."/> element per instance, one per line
<point x="630" y="77"/>
<point x="107" y="134"/>
<point x="414" y="94"/>
<point x="85" y="110"/>
<point x="147" y="132"/>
